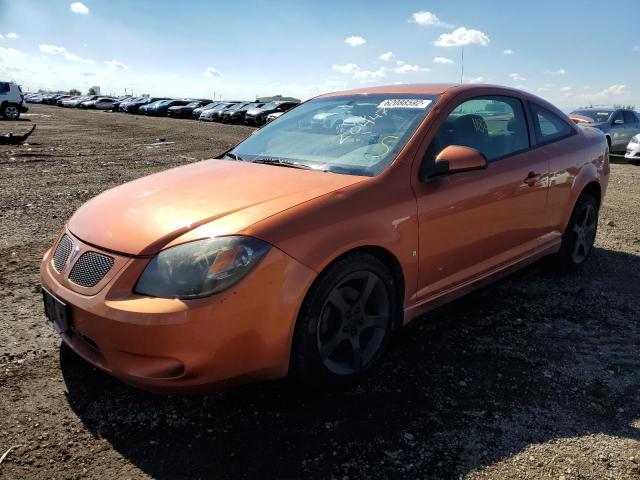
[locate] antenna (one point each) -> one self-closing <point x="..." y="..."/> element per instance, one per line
<point x="462" y="66"/>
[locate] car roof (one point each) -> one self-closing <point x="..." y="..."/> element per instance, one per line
<point x="598" y="109"/>
<point x="426" y="89"/>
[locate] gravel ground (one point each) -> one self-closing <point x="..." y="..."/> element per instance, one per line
<point x="536" y="376"/>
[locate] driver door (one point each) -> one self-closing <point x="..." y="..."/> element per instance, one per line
<point x="472" y="223"/>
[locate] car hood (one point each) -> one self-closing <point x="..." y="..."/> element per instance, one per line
<point x="143" y="216"/>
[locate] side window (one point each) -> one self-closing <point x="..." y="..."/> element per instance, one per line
<point x="495" y="126"/>
<point x="549" y="126"/>
<point x="630" y="117"/>
<point x="617" y="117"/>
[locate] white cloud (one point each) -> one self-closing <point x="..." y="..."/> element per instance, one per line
<point x="425" y="18"/>
<point x="11" y="35"/>
<point x="355" y="41"/>
<point x="507" y="51"/>
<point x="561" y="71"/>
<point x="116" y="65"/>
<point x="636" y="48"/>
<point x="1" y="36"/>
<point x="11" y="56"/>
<point x="346" y="69"/>
<point x="474" y="79"/>
<point x="516" y="77"/>
<point x="386" y="57"/>
<point x="443" y="60"/>
<point x="462" y="37"/>
<point x="408" y="68"/>
<point x="79" y="7"/>
<point x="211" y="72"/>
<point x="612" y="91"/>
<point x="569" y="96"/>
<point x="357" y="72"/>
<point x="56" y="50"/>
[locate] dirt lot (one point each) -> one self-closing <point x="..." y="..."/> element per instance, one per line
<point x="537" y="376"/>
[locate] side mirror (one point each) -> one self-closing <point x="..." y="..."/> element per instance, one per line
<point x="456" y="159"/>
<point x="618" y="122"/>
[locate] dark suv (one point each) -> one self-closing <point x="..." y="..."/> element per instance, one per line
<point x="258" y="116"/>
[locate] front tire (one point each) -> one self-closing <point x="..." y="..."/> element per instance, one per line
<point x="345" y="322"/>
<point x="580" y="235"/>
<point x="11" y="111"/>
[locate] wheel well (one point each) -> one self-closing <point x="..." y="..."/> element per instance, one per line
<point x="393" y="265"/>
<point x="594" y="190"/>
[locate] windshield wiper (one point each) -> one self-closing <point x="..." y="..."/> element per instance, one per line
<point x="281" y="162"/>
<point x="233" y="156"/>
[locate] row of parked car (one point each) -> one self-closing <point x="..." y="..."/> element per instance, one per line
<point x="248" y="112"/>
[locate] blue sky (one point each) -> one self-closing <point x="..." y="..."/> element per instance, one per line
<point x="564" y="50"/>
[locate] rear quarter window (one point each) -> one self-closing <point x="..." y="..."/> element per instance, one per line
<point x="549" y="127"/>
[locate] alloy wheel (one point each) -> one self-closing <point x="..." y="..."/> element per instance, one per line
<point x="354" y="321"/>
<point x="584" y="233"/>
<point x="11" y="112"/>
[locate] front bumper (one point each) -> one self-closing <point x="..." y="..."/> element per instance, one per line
<point x="633" y="152"/>
<point x="183" y="346"/>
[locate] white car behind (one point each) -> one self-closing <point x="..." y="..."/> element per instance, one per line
<point x="633" y="149"/>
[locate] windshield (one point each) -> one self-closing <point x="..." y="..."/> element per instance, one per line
<point x="598" y="116"/>
<point x="268" y="106"/>
<point x="237" y="107"/>
<point x="363" y="143"/>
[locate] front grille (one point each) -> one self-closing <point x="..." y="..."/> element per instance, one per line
<point x="90" y="268"/>
<point x="61" y="255"/>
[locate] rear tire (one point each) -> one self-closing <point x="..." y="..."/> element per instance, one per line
<point x="580" y="235"/>
<point x="345" y="322"/>
<point x="11" y="111"/>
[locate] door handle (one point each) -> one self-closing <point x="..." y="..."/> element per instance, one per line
<point x="532" y="178"/>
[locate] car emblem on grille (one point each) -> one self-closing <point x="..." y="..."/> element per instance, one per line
<point x="74" y="254"/>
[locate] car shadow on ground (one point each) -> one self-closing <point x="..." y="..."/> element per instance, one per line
<point x="536" y="357"/>
<point x="6" y="121"/>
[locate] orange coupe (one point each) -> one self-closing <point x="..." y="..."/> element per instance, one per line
<point x="303" y="248"/>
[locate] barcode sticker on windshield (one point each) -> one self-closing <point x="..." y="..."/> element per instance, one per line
<point x="404" y="103"/>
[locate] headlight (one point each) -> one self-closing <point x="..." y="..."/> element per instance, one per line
<point x="635" y="140"/>
<point x="201" y="268"/>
